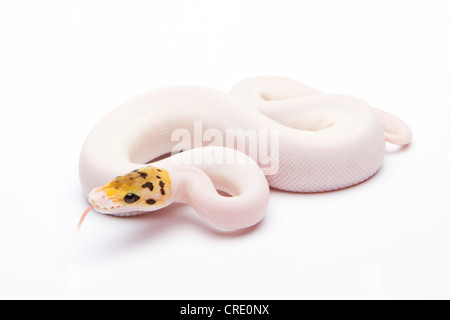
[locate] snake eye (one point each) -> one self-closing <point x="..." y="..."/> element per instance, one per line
<point x="131" y="198"/>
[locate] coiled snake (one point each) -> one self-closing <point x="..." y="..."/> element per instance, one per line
<point x="312" y="142"/>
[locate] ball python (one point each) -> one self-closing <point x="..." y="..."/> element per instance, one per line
<point x="134" y="160"/>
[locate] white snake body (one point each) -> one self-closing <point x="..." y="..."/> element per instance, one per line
<point x="326" y="142"/>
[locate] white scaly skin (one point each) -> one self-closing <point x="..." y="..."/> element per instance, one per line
<point x="326" y="142"/>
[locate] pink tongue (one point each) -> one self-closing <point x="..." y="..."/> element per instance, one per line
<point x="84" y="216"/>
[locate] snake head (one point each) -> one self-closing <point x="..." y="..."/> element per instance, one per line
<point x="142" y="190"/>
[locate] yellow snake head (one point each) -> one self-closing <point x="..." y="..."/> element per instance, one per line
<point x="145" y="189"/>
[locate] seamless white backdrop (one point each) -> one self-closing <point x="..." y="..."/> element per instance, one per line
<point x="65" y="64"/>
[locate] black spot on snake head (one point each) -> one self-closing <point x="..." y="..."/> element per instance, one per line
<point x="162" y="184"/>
<point x="151" y="201"/>
<point x="148" y="185"/>
<point x="142" y="174"/>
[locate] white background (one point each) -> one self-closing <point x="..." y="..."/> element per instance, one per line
<point x="65" y="64"/>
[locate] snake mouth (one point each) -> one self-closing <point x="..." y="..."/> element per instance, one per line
<point x="102" y="203"/>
